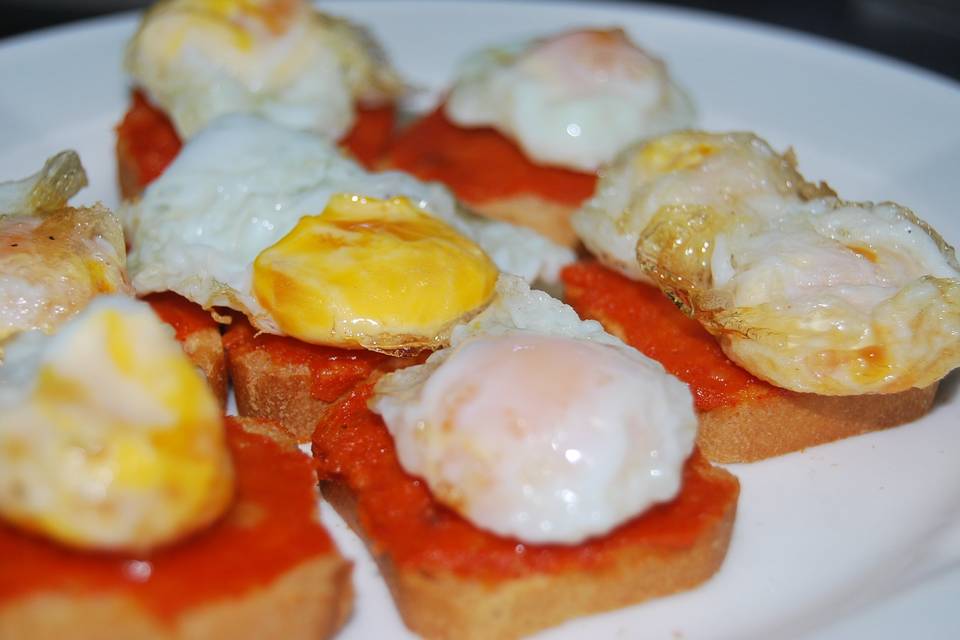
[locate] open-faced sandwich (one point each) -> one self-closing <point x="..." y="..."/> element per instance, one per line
<point x="524" y="128"/>
<point x="192" y="61"/>
<point x="802" y="318"/>
<point x="128" y="506"/>
<point x="55" y="258"/>
<point x="335" y="267"/>
<point x="534" y="470"/>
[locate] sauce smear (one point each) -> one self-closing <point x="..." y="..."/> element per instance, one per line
<point x="481" y="165"/>
<point x="184" y="316"/>
<point x="647" y="320"/>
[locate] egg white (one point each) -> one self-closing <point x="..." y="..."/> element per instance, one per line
<point x="563" y="103"/>
<point x="199" y="63"/>
<point x="805" y="290"/>
<point x="243" y="183"/>
<point x="742" y="168"/>
<point x="555" y="457"/>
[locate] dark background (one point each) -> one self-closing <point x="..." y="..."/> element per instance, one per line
<point x="924" y="32"/>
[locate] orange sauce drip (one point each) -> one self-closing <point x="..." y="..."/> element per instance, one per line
<point x="269" y="529"/>
<point x="370" y="136"/>
<point x="333" y="371"/>
<point x="481" y="165"/>
<point x="153" y="141"/>
<point x="400" y="517"/>
<point x="150" y="138"/>
<point x="647" y="320"/>
<point x="184" y="316"/>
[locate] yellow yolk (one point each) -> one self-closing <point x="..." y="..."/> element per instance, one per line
<point x="673" y="152"/>
<point x="377" y="274"/>
<point x="120" y="440"/>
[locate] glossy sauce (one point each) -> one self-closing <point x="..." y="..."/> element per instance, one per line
<point x="647" y="320"/>
<point x="333" y="371"/>
<point x="481" y="165"/>
<point x="153" y="142"/>
<point x="150" y="139"/>
<point x="270" y="529"/>
<point x="184" y="316"/>
<point x="351" y="445"/>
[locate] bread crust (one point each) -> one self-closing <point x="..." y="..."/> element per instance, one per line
<point x="550" y="219"/>
<point x="271" y="391"/>
<point x="128" y="175"/>
<point x="205" y="350"/>
<point x="770" y="426"/>
<point x="273" y="379"/>
<point x="310" y="601"/>
<point x="444" y="605"/>
<point x="198" y="334"/>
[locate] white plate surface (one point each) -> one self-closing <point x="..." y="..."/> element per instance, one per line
<point x="860" y="538"/>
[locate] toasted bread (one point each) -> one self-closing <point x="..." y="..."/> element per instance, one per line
<point x="742" y="418"/>
<point x="292" y="382"/>
<point x="199" y="334"/>
<point x="294" y="593"/>
<point x="450" y="579"/>
<point x="549" y="219"/>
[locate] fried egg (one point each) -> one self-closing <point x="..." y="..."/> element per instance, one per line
<point x="537" y="425"/>
<point x="54" y="258"/>
<point x="827" y="296"/>
<point x="280" y="59"/>
<point x="724" y="171"/>
<point x="109" y="437"/>
<point x="280" y="226"/>
<point x="807" y="291"/>
<point x="573" y="100"/>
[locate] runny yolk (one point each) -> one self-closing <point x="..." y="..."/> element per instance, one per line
<point x="378" y="274"/>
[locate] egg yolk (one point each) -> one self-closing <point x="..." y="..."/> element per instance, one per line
<point x="122" y="435"/>
<point x="675" y="152"/>
<point x="376" y="274"/>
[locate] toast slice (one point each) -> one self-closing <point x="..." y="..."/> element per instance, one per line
<point x="491" y="175"/>
<point x="742" y="418"/>
<point x="199" y="334"/>
<point x="267" y="569"/>
<point x="450" y="579"/>
<point x="289" y="381"/>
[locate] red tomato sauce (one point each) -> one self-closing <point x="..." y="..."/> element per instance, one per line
<point x="400" y="517"/>
<point x="481" y="165"/>
<point x="149" y="139"/>
<point x="184" y="316"/>
<point x="647" y="320"/>
<point x="270" y="529"/>
<point x="152" y="142"/>
<point x="333" y="371"/>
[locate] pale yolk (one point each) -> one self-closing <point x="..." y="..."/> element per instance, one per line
<point x="240" y="19"/>
<point x="126" y="438"/>
<point x="377" y="274"/>
<point x="674" y="152"/>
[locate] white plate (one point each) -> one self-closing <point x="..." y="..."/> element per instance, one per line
<point x="857" y="538"/>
